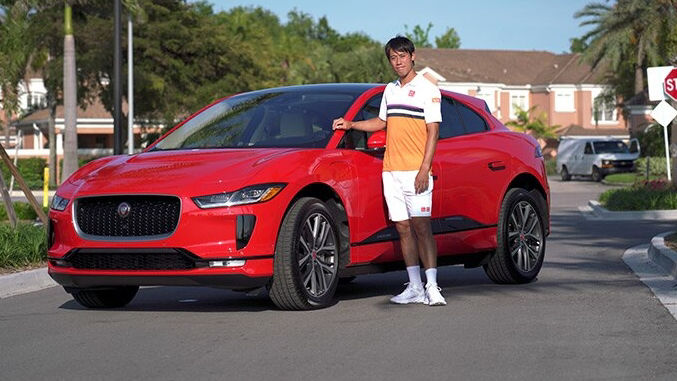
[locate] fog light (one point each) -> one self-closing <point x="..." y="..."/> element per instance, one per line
<point x="60" y="263"/>
<point x="228" y="263"/>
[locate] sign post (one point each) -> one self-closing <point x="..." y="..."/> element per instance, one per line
<point x="662" y="82"/>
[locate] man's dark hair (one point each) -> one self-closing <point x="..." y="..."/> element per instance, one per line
<point x="399" y="44"/>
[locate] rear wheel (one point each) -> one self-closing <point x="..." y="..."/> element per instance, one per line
<point x="520" y="237"/>
<point x="306" y="263"/>
<point x="113" y="297"/>
<point x="596" y="174"/>
<point x="565" y="174"/>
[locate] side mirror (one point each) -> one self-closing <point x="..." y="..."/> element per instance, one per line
<point x="377" y="140"/>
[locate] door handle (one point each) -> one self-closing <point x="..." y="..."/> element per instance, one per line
<point x="496" y="165"/>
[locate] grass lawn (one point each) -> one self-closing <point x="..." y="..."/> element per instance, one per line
<point x="628" y="178"/>
<point x="22" y="248"/>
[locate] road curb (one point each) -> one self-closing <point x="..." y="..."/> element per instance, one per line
<point x="656" y="215"/>
<point x="24" y="282"/>
<point x="662" y="255"/>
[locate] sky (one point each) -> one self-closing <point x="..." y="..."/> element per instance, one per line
<point x="481" y="24"/>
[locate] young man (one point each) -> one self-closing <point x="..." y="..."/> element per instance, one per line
<point x="411" y="112"/>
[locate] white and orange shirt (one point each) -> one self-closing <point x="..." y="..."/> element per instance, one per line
<point x="407" y="109"/>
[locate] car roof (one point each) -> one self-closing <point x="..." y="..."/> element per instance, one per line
<point x="356" y="88"/>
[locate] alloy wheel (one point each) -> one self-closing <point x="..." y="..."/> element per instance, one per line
<point x="525" y="236"/>
<point x="318" y="254"/>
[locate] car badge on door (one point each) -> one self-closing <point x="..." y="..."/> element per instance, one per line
<point x="124" y="209"/>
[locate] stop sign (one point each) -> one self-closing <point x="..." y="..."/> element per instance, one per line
<point x="670" y="84"/>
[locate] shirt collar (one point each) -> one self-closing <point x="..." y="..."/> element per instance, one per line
<point x="399" y="84"/>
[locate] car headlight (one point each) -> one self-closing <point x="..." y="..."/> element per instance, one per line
<point x="59" y="203"/>
<point x="538" y="152"/>
<point x="606" y="162"/>
<point x="248" y="195"/>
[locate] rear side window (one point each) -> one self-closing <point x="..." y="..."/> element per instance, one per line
<point x="472" y="122"/>
<point x="451" y="123"/>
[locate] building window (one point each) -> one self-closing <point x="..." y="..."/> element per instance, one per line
<point x="520" y="100"/>
<point x="604" y="109"/>
<point x="564" y="101"/>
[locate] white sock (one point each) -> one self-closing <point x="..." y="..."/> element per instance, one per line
<point x="431" y="276"/>
<point x="415" y="276"/>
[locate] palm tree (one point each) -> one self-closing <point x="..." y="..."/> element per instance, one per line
<point x="70" y="140"/>
<point x="536" y="126"/>
<point x="628" y="30"/>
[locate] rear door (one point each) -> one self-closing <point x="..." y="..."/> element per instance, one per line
<point x="473" y="170"/>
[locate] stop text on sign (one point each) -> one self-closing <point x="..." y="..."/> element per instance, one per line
<point x="670" y="84"/>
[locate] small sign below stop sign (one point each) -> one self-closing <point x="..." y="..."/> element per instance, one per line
<point x="670" y="84"/>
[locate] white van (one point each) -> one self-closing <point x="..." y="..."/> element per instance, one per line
<point x="595" y="156"/>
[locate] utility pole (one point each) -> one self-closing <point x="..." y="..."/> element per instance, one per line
<point x="117" y="102"/>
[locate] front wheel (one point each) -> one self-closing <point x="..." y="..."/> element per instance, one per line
<point x="305" y="267"/>
<point x="113" y="297"/>
<point x="596" y="174"/>
<point x="521" y="239"/>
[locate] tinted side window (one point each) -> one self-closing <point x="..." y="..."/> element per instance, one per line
<point x="588" y="148"/>
<point x="355" y="139"/>
<point x="471" y="120"/>
<point x="451" y="123"/>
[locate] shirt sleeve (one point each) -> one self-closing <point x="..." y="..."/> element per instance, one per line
<point x="383" y="111"/>
<point x="432" y="108"/>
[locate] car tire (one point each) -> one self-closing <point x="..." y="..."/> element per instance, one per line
<point x="306" y="262"/>
<point x="106" y="298"/>
<point x="565" y="173"/>
<point x="596" y="174"/>
<point x="521" y="242"/>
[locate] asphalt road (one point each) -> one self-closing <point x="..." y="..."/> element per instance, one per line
<point x="586" y="317"/>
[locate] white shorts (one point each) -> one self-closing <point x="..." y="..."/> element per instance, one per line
<point x="401" y="197"/>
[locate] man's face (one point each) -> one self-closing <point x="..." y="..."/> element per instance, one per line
<point x="402" y="62"/>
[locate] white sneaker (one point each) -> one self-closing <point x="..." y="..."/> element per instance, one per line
<point x="410" y="294"/>
<point x="433" y="297"/>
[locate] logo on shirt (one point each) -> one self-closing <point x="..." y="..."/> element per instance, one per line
<point x="425" y="209"/>
<point x="411" y="93"/>
<point x="436" y="100"/>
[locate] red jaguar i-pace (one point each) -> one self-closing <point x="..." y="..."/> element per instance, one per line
<point x="256" y="190"/>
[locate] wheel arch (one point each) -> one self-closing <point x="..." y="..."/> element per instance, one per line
<point x="331" y="198"/>
<point x="530" y="183"/>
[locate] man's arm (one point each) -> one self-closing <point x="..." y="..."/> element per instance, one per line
<point x="369" y="125"/>
<point x="421" y="182"/>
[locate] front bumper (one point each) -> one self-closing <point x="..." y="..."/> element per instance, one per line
<point x="615" y="169"/>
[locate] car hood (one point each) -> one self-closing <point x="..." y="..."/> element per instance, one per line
<point x="175" y="172"/>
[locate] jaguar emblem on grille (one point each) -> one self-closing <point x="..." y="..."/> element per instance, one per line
<point x="124" y="209"/>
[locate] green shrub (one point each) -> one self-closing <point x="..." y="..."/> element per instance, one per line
<point x="651" y="195"/>
<point x="23" y="210"/>
<point x="24" y="246"/>
<point x="551" y="166"/>
<point x="653" y="142"/>
<point x="657" y="166"/>
<point x="31" y="169"/>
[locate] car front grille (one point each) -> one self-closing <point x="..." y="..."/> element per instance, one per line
<point x="130" y="259"/>
<point x="148" y="216"/>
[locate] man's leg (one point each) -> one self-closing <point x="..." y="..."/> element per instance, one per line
<point x="414" y="293"/>
<point x="427" y="249"/>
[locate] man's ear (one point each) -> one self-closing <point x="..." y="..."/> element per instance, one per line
<point x="413" y="56"/>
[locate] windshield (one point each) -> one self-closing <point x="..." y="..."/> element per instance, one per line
<point x="277" y="119"/>
<point x="614" y="146"/>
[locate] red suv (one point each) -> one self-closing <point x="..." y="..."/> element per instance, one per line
<point x="256" y="190"/>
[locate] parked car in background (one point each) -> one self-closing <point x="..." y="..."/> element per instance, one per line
<point x="256" y="190"/>
<point x="595" y="157"/>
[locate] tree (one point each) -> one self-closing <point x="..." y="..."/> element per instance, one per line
<point x="627" y="30"/>
<point x="70" y="140"/>
<point x="419" y="36"/>
<point x="536" y="126"/>
<point x="449" y="40"/>
<point x="577" y="45"/>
